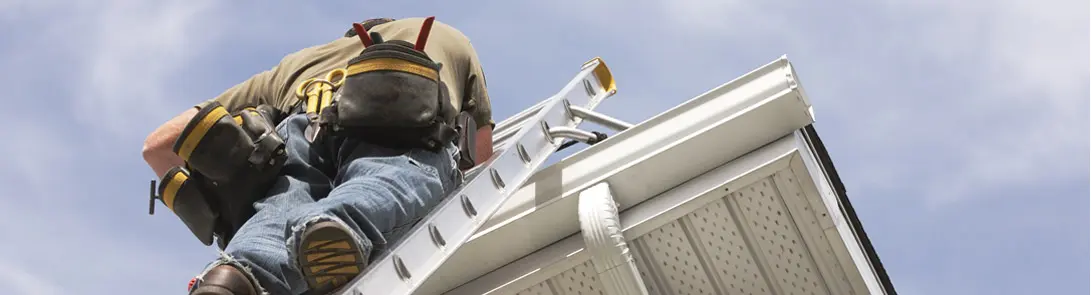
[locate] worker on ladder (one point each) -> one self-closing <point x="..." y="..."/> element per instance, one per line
<point x="306" y="171"/>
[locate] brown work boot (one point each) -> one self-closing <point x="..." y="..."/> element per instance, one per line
<point x="329" y="257"/>
<point x="225" y="280"/>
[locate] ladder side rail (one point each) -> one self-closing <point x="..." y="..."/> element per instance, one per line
<point x="507" y="128"/>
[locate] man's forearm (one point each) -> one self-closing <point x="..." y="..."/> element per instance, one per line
<point x="160" y="161"/>
<point x="158" y="146"/>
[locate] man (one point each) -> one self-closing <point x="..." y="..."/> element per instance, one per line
<point x="340" y="199"/>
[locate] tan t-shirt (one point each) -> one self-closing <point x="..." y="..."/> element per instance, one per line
<point x="446" y="45"/>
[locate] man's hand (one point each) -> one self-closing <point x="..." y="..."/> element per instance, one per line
<point x="158" y="147"/>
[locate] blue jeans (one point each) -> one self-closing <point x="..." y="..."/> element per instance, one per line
<point x="379" y="193"/>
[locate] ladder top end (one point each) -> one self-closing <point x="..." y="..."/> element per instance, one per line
<point x="602" y="73"/>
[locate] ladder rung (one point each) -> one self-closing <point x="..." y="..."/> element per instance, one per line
<point x="572" y="133"/>
<point x="599" y="118"/>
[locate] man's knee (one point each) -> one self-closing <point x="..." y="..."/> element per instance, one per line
<point x="306" y="216"/>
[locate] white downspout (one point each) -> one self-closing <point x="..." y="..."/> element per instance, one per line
<point x="600" y="226"/>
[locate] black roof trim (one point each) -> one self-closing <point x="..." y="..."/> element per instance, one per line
<point x="811" y="136"/>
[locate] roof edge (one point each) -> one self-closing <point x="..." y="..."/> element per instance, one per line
<point x="826" y="164"/>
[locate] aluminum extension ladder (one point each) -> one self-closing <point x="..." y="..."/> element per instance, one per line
<point x="525" y="141"/>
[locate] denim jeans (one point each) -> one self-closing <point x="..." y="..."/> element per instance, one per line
<point x="379" y="193"/>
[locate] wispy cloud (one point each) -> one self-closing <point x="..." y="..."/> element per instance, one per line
<point x="21" y="282"/>
<point x="135" y="50"/>
<point x="1024" y="97"/>
<point x="997" y="89"/>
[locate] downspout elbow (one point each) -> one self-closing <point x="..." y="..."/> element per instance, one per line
<point x="600" y="226"/>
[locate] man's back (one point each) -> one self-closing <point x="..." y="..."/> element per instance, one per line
<point x="446" y="45"/>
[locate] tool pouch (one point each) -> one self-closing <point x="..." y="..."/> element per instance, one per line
<point x="268" y="147"/>
<point x="237" y="157"/>
<point x="185" y="196"/>
<point x="392" y="95"/>
<point x="224" y="147"/>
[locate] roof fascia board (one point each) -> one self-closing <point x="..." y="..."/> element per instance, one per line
<point x="853" y="250"/>
<point x="641" y="219"/>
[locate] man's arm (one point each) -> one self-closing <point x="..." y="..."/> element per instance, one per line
<point x="158" y="147"/>
<point x="480" y="107"/>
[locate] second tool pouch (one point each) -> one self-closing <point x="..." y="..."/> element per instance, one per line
<point x="237" y="157"/>
<point x="185" y="195"/>
<point x="392" y="95"/>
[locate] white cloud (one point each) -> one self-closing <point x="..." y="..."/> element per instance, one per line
<point x="21" y="282"/>
<point x="15" y="9"/>
<point x="35" y="153"/>
<point x="135" y="50"/>
<point x="55" y="249"/>
<point x="1028" y="95"/>
<point x="119" y="58"/>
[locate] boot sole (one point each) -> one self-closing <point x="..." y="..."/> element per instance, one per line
<point x="329" y="258"/>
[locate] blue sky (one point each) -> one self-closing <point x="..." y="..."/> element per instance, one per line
<point x="958" y="125"/>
